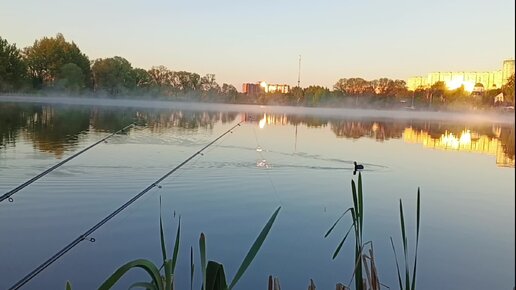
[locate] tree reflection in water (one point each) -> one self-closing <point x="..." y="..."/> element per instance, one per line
<point x="56" y="129"/>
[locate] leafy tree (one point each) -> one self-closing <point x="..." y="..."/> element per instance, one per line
<point x="400" y="88"/>
<point x="314" y="94"/>
<point x="161" y="76"/>
<point x="382" y="86"/>
<point x="209" y="85"/>
<point x="354" y="86"/>
<point x="455" y="94"/>
<point x="229" y="92"/>
<point x="142" y="78"/>
<point x="297" y="95"/>
<point x="71" y="78"/>
<point x="162" y="80"/>
<point x="47" y="56"/>
<point x="13" y="69"/>
<point x="340" y="85"/>
<point x="187" y="82"/>
<point x="437" y="90"/>
<point x="113" y="75"/>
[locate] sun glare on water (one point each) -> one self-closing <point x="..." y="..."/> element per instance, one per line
<point x="452" y="141"/>
<point x="262" y="122"/>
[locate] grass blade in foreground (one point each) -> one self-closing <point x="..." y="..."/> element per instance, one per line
<point x="202" y="249"/>
<point x="360" y="201"/>
<point x="162" y="235"/>
<point x="336" y="222"/>
<point x="176" y="246"/>
<point x="341" y="243"/>
<point x="409" y="285"/>
<point x="405" y="246"/>
<point x="418" y="218"/>
<point x="169" y="277"/>
<point x="215" y="277"/>
<point x="146" y="265"/>
<point x="254" y="248"/>
<point x="397" y="265"/>
<point x="192" y="268"/>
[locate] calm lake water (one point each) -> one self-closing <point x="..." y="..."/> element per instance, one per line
<point x="302" y="163"/>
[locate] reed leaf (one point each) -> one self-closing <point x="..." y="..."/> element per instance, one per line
<point x="337" y="250"/>
<point x="358" y="265"/>
<point x="367" y="272"/>
<point x="397" y="265"/>
<point x="355" y="198"/>
<point x="202" y="248"/>
<point x="418" y="218"/>
<point x="336" y="222"/>
<point x="192" y="268"/>
<point x="168" y="275"/>
<point x="374" y="271"/>
<point x="215" y="277"/>
<point x="176" y="246"/>
<point x="68" y="285"/>
<point x="405" y="246"/>
<point x="358" y="270"/>
<point x="146" y="265"/>
<point x="162" y="235"/>
<point x="360" y="202"/>
<point x="254" y="248"/>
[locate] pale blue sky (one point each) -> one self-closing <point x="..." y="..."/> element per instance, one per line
<point x="246" y="41"/>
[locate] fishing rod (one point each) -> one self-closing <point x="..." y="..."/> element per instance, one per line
<point x="82" y="237"/>
<point x="28" y="182"/>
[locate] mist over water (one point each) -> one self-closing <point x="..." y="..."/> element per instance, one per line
<point x="354" y="113"/>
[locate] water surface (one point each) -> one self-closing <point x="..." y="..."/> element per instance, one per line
<point x="301" y="162"/>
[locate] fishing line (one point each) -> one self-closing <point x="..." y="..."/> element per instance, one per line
<point x="192" y="164"/>
<point x="86" y="234"/>
<point x="266" y="167"/>
<point x="28" y="182"/>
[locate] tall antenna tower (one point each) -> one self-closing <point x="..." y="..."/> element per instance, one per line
<point x="299" y="73"/>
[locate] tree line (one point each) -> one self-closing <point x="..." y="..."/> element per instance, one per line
<point x="57" y="65"/>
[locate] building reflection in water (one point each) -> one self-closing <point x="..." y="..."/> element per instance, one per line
<point x="496" y="141"/>
<point x="465" y="141"/>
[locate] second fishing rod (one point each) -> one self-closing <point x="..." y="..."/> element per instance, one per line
<point x="85" y="235"/>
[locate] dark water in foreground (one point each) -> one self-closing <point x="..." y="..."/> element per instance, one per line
<point x="304" y="164"/>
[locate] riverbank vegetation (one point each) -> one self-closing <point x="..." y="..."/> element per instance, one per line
<point x="54" y="65"/>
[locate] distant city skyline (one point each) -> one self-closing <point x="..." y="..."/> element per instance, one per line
<point x="242" y="42"/>
<point x="493" y="79"/>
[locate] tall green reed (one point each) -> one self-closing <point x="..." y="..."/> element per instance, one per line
<point x="410" y="283"/>
<point x="159" y="280"/>
<point x="357" y="221"/>
<point x="365" y="273"/>
<point x="213" y="275"/>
